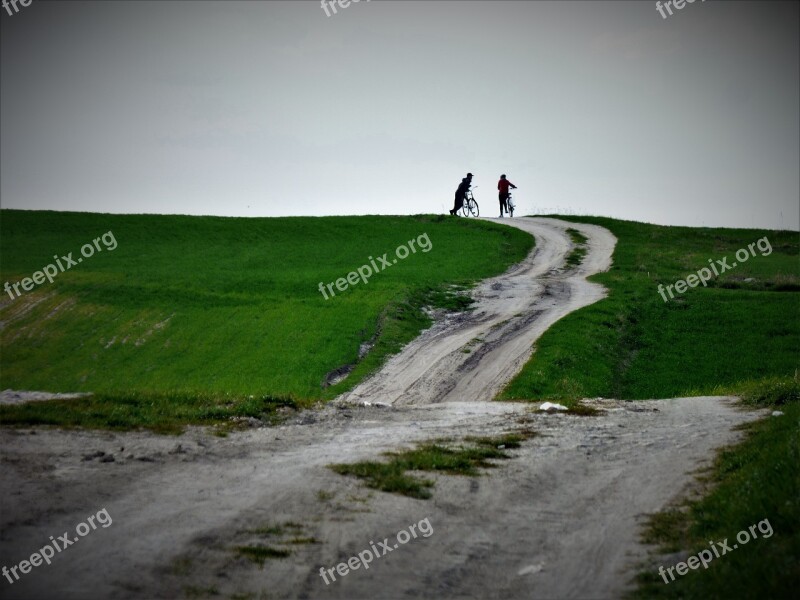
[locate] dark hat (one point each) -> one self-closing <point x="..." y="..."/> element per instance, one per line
<point x="469" y="174"/>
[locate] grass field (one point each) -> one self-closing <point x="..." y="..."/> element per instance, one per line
<point x="197" y="319"/>
<point x="633" y="345"/>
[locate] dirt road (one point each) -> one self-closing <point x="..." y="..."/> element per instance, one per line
<point x="559" y="520"/>
<point x="511" y="312"/>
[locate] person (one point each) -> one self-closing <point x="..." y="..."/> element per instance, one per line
<point x="503" y="186"/>
<point x="461" y="192"/>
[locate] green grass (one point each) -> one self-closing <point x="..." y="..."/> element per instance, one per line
<point x="575" y="257"/>
<point x="752" y="481"/>
<point x="583" y="410"/>
<point x="451" y="459"/>
<point x="387" y="477"/>
<point x="633" y="345"/>
<point x="456" y="461"/>
<point x="279" y="534"/>
<point x="302" y="540"/>
<point x="775" y="392"/>
<point x="190" y="316"/>
<point x="167" y="413"/>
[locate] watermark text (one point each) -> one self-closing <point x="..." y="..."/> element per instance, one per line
<point x="331" y="4"/>
<point x="367" y="556"/>
<point x="48" y="551"/>
<point x="50" y="271"/>
<point x="364" y="272"/>
<point x="13" y="4"/>
<point x="720" y="549"/>
<point x="678" y="4"/>
<point x="718" y="267"/>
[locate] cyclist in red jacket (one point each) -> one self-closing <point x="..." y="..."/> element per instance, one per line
<point x="503" y="186"/>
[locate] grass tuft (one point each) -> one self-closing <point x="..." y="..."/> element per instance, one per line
<point x="508" y="440"/>
<point x="260" y="554"/>
<point x="387" y="477"/>
<point x="584" y="411"/>
<point x="575" y="257"/>
<point x="464" y="460"/>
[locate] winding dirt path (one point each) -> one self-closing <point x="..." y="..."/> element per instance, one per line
<point x="560" y="520"/>
<point x="471" y="356"/>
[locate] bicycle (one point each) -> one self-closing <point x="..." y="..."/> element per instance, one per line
<point x="510" y="204"/>
<point x="470" y="205"/>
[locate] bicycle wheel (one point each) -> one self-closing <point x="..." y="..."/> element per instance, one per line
<point x="465" y="208"/>
<point x="473" y="207"/>
<point x="510" y="209"/>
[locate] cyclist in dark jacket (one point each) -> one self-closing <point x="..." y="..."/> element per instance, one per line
<point x="461" y="192"/>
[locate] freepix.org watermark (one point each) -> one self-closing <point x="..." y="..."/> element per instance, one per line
<point x="8" y="4"/>
<point x="364" y="272"/>
<point x="704" y="275"/>
<point x="332" y="4"/>
<point x="48" y="551"/>
<point x="705" y="556"/>
<point x="678" y="4"/>
<point x="384" y="547"/>
<point x="50" y="271"/>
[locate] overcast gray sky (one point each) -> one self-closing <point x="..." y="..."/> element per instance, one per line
<point x="273" y="108"/>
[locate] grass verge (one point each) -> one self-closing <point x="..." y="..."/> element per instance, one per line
<point x="749" y="483"/>
<point x="160" y="413"/>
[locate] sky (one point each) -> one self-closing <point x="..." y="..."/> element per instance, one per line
<point x="267" y="108"/>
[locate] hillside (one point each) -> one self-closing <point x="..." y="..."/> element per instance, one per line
<point x="187" y="310"/>
<point x="741" y="326"/>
